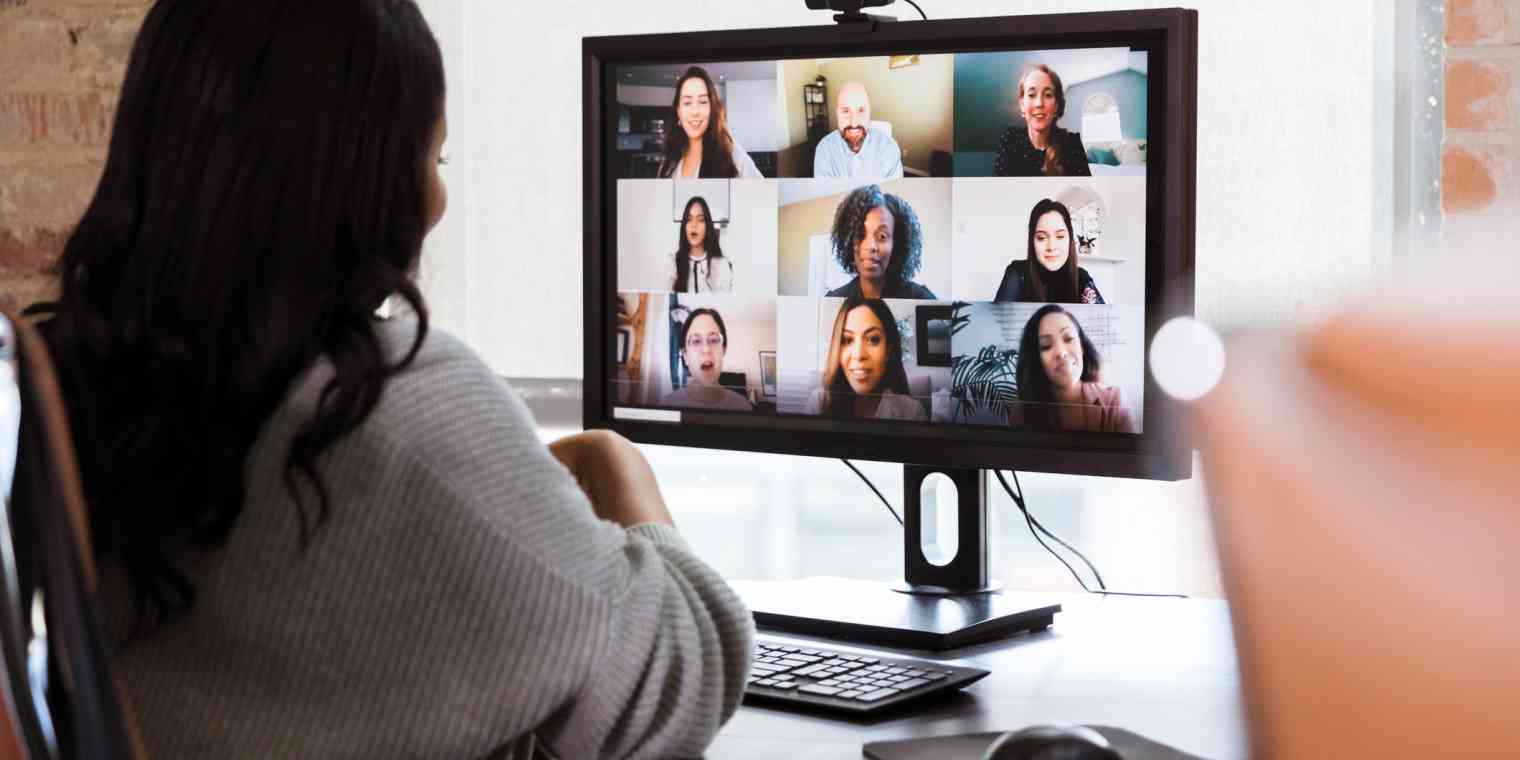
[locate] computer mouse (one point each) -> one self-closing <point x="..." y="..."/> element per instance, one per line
<point x="1051" y="743"/>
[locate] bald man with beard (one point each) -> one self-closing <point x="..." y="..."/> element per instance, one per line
<point x="855" y="150"/>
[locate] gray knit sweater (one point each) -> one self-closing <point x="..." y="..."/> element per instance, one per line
<point x="461" y="595"/>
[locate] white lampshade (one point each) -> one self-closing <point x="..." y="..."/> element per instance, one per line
<point x="1101" y="127"/>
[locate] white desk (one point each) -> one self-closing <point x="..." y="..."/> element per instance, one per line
<point x="1164" y="668"/>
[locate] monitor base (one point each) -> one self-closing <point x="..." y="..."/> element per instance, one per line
<point x="867" y="612"/>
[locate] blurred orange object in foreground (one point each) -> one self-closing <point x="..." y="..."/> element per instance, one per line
<point x="1364" y="478"/>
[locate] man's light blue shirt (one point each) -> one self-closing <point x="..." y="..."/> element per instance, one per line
<point x="879" y="157"/>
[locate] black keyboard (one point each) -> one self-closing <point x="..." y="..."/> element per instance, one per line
<point x="812" y="678"/>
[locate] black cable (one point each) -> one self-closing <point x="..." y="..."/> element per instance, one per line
<point x="884" y="501"/>
<point x="1029" y="519"/>
<point x="1019" y="500"/>
<point x="920" y="10"/>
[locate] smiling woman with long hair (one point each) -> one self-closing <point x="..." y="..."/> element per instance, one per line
<point x="697" y="140"/>
<point x="1049" y="271"/>
<point x="323" y="534"/>
<point x="863" y="375"/>
<point x="1040" y="147"/>
<point x="1060" y="383"/>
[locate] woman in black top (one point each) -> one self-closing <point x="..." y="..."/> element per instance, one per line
<point x="877" y="238"/>
<point x="1040" y="148"/>
<point x="1049" y="272"/>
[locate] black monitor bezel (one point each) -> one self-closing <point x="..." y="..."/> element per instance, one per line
<point x="1162" y="452"/>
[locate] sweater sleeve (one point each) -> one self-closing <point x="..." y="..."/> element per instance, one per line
<point x="655" y="645"/>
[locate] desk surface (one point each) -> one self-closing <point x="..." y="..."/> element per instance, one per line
<point x="1164" y="668"/>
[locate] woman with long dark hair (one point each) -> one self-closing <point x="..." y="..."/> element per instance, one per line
<point x="877" y="237"/>
<point x="699" y="263"/>
<point x="321" y="533"/>
<point x="1059" y="373"/>
<point x="1049" y="272"/>
<point x="697" y="140"/>
<point x="863" y="376"/>
<point x="1040" y="148"/>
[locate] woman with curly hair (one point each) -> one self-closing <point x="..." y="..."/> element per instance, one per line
<point x="863" y="376"/>
<point x="877" y="238"/>
<point x="1060" y="381"/>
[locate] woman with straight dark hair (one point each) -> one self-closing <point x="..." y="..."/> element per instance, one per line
<point x="1040" y="148"/>
<point x="1059" y="373"/>
<point x="1049" y="272"/>
<point x="323" y="534"/>
<point x="699" y="263"/>
<point x="697" y="140"/>
<point x="863" y="376"/>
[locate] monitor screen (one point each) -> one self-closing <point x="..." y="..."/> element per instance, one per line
<point x="893" y="253"/>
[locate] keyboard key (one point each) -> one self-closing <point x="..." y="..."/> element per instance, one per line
<point x="849" y="694"/>
<point x="879" y="694"/>
<point x="869" y="660"/>
<point x="815" y="671"/>
<point x="822" y="691"/>
<point x="896" y="671"/>
<point x="912" y="683"/>
<point x="935" y="677"/>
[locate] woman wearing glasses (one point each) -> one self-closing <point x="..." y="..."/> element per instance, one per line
<point x="704" y="340"/>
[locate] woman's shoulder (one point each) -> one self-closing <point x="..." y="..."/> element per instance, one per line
<point x="896" y="406"/>
<point x="1012" y="285"/>
<point x="912" y="290"/>
<point x="1103" y="395"/>
<point x="851" y="288"/>
<point x="814" y="402"/>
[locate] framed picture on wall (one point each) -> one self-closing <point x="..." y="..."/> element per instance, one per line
<point x="768" y="374"/>
<point x="933" y="325"/>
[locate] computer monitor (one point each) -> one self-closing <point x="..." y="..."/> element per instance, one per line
<point x="944" y="243"/>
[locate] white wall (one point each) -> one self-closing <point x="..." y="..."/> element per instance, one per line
<point x="1286" y="163"/>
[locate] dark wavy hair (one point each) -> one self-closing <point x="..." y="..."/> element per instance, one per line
<point x="850" y="228"/>
<point x="1054" y="166"/>
<point x="1034" y="385"/>
<point x="838" y="396"/>
<point x="686" y="328"/>
<point x="264" y="193"/>
<point x="1045" y="286"/>
<point x="710" y="244"/>
<point x="717" y="143"/>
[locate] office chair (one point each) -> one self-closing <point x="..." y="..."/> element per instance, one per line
<point x="61" y="699"/>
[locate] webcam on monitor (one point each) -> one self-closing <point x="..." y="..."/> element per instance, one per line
<point x="849" y="10"/>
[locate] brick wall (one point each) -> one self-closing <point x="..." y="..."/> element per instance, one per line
<point x="1480" y="161"/>
<point x="61" y="64"/>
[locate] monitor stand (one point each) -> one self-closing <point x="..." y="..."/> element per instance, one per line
<point x="935" y="606"/>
